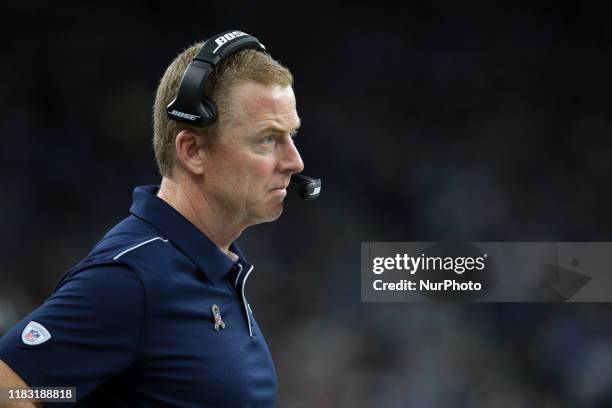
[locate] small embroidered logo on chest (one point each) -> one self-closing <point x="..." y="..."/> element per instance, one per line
<point x="218" y="320"/>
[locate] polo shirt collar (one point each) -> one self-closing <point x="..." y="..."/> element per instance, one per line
<point x="184" y="235"/>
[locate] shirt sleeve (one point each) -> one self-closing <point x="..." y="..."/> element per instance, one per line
<point x="94" y="321"/>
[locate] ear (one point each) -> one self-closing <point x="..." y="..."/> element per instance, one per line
<point x="189" y="150"/>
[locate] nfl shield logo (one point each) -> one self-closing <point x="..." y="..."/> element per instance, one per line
<point x="34" y="334"/>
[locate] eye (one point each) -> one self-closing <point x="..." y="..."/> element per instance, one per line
<point x="268" y="140"/>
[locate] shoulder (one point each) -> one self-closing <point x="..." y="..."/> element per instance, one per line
<point x="126" y="240"/>
<point x="121" y="254"/>
<point x="112" y="288"/>
<point x="134" y="247"/>
<point x="127" y="243"/>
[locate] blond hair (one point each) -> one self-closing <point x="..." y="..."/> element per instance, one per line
<point x="246" y="65"/>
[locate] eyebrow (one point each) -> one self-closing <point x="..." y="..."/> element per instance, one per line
<point x="276" y="129"/>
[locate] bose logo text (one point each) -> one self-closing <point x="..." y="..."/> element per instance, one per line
<point x="184" y="115"/>
<point x="227" y="37"/>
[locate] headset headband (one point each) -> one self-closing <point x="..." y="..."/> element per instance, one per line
<point x="190" y="105"/>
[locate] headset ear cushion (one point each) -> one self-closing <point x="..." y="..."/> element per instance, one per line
<point x="209" y="112"/>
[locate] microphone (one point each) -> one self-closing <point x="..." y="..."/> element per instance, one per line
<point x="308" y="188"/>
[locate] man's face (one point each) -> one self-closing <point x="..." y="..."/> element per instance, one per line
<point x="249" y="167"/>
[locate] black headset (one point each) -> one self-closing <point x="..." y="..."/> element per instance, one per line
<point x="192" y="107"/>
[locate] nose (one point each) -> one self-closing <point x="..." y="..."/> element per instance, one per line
<point x="291" y="161"/>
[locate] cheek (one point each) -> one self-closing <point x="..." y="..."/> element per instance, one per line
<point x="259" y="173"/>
<point x="231" y="168"/>
<point x="244" y="173"/>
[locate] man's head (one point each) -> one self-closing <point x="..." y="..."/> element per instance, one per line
<point x="244" y="66"/>
<point x="242" y="163"/>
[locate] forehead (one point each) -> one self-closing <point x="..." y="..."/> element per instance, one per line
<point x="256" y="105"/>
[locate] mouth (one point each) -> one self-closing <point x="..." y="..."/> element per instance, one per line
<point x="282" y="187"/>
<point x="280" y="191"/>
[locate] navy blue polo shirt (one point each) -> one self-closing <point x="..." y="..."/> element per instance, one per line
<point x="155" y="315"/>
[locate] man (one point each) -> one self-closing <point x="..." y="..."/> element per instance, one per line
<point x="156" y="314"/>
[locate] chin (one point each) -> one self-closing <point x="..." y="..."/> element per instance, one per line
<point x="271" y="215"/>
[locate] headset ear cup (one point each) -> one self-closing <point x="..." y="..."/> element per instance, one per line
<point x="209" y="112"/>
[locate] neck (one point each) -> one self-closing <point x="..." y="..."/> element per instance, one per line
<point x="184" y="196"/>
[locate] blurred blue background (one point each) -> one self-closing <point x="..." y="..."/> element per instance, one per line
<point x="468" y="121"/>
